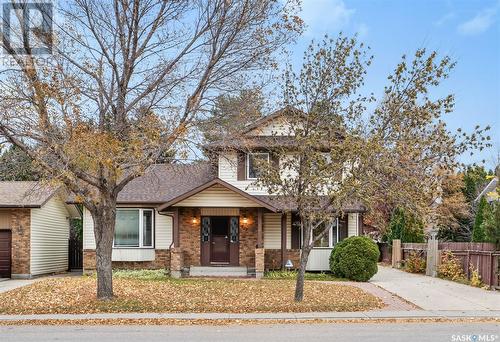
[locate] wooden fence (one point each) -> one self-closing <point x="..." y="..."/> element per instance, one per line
<point x="481" y="256"/>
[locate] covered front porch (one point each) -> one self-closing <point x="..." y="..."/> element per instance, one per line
<point x="218" y="225"/>
<point x="229" y="238"/>
<point x="219" y="230"/>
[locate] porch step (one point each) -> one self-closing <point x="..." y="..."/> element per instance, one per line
<point x="218" y="271"/>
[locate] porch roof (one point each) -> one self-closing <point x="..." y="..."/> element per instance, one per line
<point x="258" y="201"/>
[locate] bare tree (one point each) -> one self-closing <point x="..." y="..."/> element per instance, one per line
<point x="340" y="155"/>
<point x="125" y="84"/>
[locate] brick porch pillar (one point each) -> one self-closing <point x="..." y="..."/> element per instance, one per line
<point x="259" y="263"/>
<point x="176" y="262"/>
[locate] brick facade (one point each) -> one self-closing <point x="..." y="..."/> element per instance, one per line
<point x="248" y="237"/>
<point x="20" y="225"/>
<point x="162" y="261"/>
<point x="189" y="235"/>
<point x="188" y="253"/>
<point x="272" y="258"/>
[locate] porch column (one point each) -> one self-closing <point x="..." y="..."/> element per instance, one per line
<point x="176" y="228"/>
<point x="283" y="240"/>
<point x="260" y="232"/>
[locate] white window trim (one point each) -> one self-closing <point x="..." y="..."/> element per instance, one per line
<point x="141" y="229"/>
<point x="330" y="237"/>
<point x="248" y="162"/>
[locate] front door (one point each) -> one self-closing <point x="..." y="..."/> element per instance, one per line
<point x="219" y="249"/>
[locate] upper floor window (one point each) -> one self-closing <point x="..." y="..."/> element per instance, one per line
<point x="134" y="228"/>
<point x="254" y="159"/>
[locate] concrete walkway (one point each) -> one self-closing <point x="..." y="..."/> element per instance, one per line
<point x="11" y="284"/>
<point x="435" y="294"/>
<point x="365" y="315"/>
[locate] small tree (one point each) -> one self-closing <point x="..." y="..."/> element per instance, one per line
<point x="405" y="227"/>
<point x="15" y="165"/>
<point x="454" y="212"/>
<point x="231" y="113"/>
<point x="491" y="223"/>
<point x="478" y="232"/>
<point x="338" y="155"/>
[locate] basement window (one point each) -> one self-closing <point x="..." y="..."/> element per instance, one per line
<point x="134" y="228"/>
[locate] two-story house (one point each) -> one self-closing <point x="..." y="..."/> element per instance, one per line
<point x="211" y="219"/>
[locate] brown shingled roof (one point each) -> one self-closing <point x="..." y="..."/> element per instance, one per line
<point x="24" y="194"/>
<point x="164" y="182"/>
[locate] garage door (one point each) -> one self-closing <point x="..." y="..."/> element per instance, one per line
<point x="5" y="253"/>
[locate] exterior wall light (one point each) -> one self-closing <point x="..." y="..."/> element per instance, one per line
<point x="194" y="220"/>
<point x="245" y="220"/>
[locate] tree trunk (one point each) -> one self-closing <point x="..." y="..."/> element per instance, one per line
<point x="299" y="286"/>
<point x="104" y="227"/>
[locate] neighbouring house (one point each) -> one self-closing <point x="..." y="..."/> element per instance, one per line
<point x="193" y="219"/>
<point x="490" y="191"/>
<point x="34" y="229"/>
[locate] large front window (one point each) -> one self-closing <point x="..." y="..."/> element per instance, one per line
<point x="134" y="228"/>
<point x="254" y="161"/>
<point x="329" y="239"/>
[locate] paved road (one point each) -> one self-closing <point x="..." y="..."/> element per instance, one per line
<point x="435" y="294"/>
<point x="286" y="332"/>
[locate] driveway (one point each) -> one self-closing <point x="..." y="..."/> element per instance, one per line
<point x="11" y="284"/>
<point x="433" y="293"/>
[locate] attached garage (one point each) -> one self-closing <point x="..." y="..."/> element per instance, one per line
<point x="5" y="253"/>
<point x="34" y="229"/>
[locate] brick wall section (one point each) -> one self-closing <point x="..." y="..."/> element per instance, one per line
<point x="272" y="258"/>
<point x="177" y="259"/>
<point x="20" y="224"/>
<point x="189" y="235"/>
<point x="162" y="261"/>
<point x="259" y="261"/>
<point x="88" y="259"/>
<point x="248" y="237"/>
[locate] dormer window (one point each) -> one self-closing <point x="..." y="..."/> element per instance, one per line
<point x="253" y="162"/>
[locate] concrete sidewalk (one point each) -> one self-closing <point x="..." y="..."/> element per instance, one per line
<point x="435" y="294"/>
<point x="264" y="316"/>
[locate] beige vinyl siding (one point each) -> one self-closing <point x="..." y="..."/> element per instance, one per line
<point x="49" y="237"/>
<point x="88" y="230"/>
<point x="272" y="231"/>
<point x="133" y="254"/>
<point x="319" y="259"/>
<point x="220" y="211"/>
<point x="228" y="173"/>
<point x="352" y="224"/>
<point x="216" y="196"/>
<point x="163" y="231"/>
<point x="278" y="126"/>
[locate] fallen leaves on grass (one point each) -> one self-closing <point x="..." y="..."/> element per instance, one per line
<point x="218" y="322"/>
<point x="77" y="295"/>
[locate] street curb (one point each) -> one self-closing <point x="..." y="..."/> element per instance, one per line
<point x="414" y="314"/>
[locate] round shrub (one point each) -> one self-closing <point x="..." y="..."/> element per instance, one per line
<point x="355" y="258"/>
